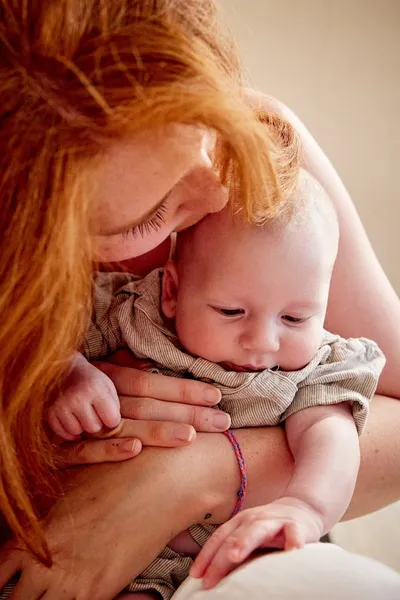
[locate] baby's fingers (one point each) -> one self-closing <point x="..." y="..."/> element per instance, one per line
<point x="210" y="549"/>
<point x="89" y="419"/>
<point x="218" y="566"/>
<point x="69" y="422"/>
<point x="295" y="536"/>
<point x="108" y="411"/>
<point x="237" y="547"/>
<point x="250" y="536"/>
<point x="59" y="429"/>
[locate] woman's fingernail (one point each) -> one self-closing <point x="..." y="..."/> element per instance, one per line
<point x="185" y="433"/>
<point x="212" y="395"/>
<point x="130" y="446"/>
<point x="221" y="420"/>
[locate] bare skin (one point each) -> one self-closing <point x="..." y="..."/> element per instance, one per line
<point x="133" y="502"/>
<point x="210" y="487"/>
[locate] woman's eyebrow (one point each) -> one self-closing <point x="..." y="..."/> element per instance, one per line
<point x="144" y="218"/>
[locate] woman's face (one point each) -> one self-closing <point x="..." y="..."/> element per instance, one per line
<point x="157" y="182"/>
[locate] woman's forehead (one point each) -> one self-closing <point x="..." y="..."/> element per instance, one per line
<point x="136" y="173"/>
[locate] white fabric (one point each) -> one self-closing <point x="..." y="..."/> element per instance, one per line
<point x="317" y="572"/>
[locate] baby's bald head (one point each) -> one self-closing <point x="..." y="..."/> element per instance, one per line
<point x="308" y="226"/>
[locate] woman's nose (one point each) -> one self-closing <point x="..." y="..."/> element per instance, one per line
<point x="218" y="200"/>
<point x="216" y="195"/>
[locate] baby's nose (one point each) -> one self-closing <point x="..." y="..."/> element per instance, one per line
<point x="261" y="339"/>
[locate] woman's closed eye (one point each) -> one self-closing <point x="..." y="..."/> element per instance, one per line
<point x="150" y="225"/>
<point x="229" y="312"/>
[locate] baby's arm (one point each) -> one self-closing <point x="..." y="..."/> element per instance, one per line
<point x="88" y="402"/>
<point x="89" y="399"/>
<point x="325" y="447"/>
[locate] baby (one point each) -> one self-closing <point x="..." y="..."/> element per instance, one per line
<point x="243" y="306"/>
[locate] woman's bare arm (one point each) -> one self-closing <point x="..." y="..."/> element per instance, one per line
<point x="163" y="491"/>
<point x="270" y="463"/>
<point x="362" y="301"/>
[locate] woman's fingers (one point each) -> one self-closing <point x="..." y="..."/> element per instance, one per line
<point x="131" y="382"/>
<point x="157" y="433"/>
<point x="97" y="451"/>
<point x="140" y="433"/>
<point x="201" y="418"/>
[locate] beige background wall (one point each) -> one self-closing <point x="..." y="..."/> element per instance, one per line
<point x="336" y="63"/>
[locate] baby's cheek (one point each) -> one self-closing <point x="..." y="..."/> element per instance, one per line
<point x="190" y="333"/>
<point x="200" y="338"/>
<point x="309" y="346"/>
<point x="206" y="342"/>
<point x="300" y="351"/>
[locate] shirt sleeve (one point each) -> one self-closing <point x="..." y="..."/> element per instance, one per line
<point x="348" y="372"/>
<point x="111" y="295"/>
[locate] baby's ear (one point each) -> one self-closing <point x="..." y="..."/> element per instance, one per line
<point x="169" y="290"/>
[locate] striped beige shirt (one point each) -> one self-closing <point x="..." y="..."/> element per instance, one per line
<point x="126" y="313"/>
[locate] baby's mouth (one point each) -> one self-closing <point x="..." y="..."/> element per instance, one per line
<point x="229" y="366"/>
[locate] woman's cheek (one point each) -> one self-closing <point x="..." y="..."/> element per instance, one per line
<point x="120" y="247"/>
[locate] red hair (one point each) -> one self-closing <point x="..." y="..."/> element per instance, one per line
<point x="75" y="75"/>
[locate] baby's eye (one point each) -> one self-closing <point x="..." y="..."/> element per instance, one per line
<point x="293" y="320"/>
<point x="229" y="312"/>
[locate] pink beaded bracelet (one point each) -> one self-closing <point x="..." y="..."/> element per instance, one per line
<point x="242" y="466"/>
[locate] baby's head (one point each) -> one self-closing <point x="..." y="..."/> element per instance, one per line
<point x="254" y="297"/>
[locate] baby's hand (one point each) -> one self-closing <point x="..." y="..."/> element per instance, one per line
<point x="287" y="523"/>
<point x="88" y="401"/>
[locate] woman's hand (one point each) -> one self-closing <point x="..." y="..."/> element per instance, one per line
<point x="157" y="411"/>
<point x="149" y="398"/>
<point x="113" y="520"/>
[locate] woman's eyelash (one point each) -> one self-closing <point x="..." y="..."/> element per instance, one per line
<point x="151" y="225"/>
